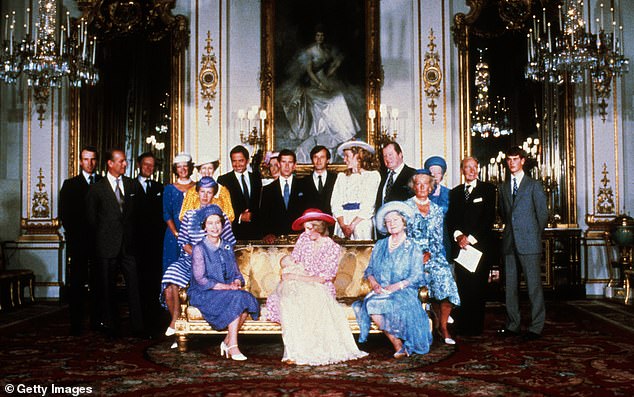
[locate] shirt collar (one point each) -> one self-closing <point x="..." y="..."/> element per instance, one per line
<point x="398" y="169"/>
<point x="519" y="176"/>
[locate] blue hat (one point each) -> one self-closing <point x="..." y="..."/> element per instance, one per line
<point x="423" y="171"/>
<point x="405" y="210"/>
<point x="436" y="160"/>
<point x="207" y="181"/>
<point x="201" y="215"/>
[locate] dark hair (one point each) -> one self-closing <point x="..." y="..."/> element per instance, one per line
<point x="239" y="149"/>
<point x="110" y="153"/>
<point x="89" y="148"/>
<point x="190" y="168"/>
<point x="202" y="224"/>
<point x="396" y="146"/>
<point x="287" y="152"/>
<point x="516" y="151"/>
<point x="318" y="149"/>
<point x="144" y="155"/>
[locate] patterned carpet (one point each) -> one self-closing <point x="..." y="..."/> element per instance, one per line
<point x="587" y="350"/>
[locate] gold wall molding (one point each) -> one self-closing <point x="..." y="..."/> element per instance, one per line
<point x="605" y="197"/>
<point x="40" y="204"/>
<point x="208" y="77"/>
<point x="432" y="76"/>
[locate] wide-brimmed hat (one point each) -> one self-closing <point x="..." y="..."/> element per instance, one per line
<point x="423" y="171"/>
<point x="182" y="157"/>
<point x="351" y="144"/>
<point x="202" y="214"/>
<point x="436" y="160"/>
<point x="312" y="214"/>
<point x="206" y="160"/>
<point x="405" y="210"/>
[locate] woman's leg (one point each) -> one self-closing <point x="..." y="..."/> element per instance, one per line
<point x="232" y="333"/>
<point x="396" y="342"/>
<point x="173" y="302"/>
<point x="445" y="311"/>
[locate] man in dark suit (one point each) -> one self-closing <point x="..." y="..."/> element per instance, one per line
<point x="110" y="211"/>
<point x="524" y="211"/>
<point x="470" y="221"/>
<point x="245" y="189"/>
<point x="150" y="229"/>
<point x="79" y="240"/>
<point x="318" y="185"/>
<point x="282" y="200"/>
<point x="394" y="177"/>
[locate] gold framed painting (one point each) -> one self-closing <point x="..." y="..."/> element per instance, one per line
<point x="320" y="73"/>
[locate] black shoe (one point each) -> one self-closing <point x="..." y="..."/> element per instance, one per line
<point x="530" y="336"/>
<point x="506" y="333"/>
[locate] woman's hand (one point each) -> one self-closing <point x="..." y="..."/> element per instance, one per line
<point x="221" y="286"/>
<point x="426" y="256"/>
<point x="347" y="230"/>
<point x="396" y="286"/>
<point x="237" y="283"/>
<point x="288" y="276"/>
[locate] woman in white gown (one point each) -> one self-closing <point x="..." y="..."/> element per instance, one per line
<point x="354" y="193"/>
<point x="315" y="329"/>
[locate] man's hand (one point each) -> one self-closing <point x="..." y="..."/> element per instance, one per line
<point x="245" y="216"/>
<point x="462" y="241"/>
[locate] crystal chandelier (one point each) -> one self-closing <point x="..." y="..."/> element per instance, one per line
<point x="567" y="50"/>
<point x="488" y="119"/>
<point x="44" y="61"/>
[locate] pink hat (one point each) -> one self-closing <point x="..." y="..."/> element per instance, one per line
<point x="312" y="214"/>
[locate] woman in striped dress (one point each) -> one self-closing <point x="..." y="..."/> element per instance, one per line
<point x="179" y="272"/>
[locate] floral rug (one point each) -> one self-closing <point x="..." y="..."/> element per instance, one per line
<point x="587" y="350"/>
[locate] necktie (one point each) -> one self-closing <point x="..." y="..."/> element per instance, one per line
<point x="320" y="184"/>
<point x="119" y="194"/>
<point x="514" y="188"/>
<point x="245" y="189"/>
<point x="91" y="179"/>
<point x="389" y="183"/>
<point x="287" y="193"/>
<point x="147" y="185"/>
<point x="467" y="192"/>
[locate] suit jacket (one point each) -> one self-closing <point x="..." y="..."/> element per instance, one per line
<point x="525" y="218"/>
<point x="150" y="227"/>
<point x="276" y="218"/>
<point x="312" y="198"/>
<point x="473" y="217"/>
<point x="400" y="191"/>
<point x="114" y="229"/>
<point x="244" y="230"/>
<point x="72" y="211"/>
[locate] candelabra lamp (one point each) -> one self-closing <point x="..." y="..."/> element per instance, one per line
<point x="251" y="119"/>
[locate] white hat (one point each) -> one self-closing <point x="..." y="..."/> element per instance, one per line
<point x="182" y="157"/>
<point x="351" y="144"/>
<point x="405" y="210"/>
<point x="206" y="160"/>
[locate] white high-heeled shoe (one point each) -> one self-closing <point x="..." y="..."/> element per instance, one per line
<point x="235" y="357"/>
<point x="450" y="341"/>
<point x="224" y="350"/>
<point x="170" y="331"/>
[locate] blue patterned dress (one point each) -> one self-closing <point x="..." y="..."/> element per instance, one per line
<point x="442" y="200"/>
<point x="212" y="265"/>
<point x="426" y="232"/>
<point x="172" y="203"/>
<point x="402" y="312"/>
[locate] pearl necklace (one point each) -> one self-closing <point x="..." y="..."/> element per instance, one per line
<point x="393" y="244"/>
<point x="184" y="181"/>
<point x="421" y="202"/>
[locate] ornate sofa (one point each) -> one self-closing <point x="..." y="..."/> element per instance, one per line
<point x="260" y="266"/>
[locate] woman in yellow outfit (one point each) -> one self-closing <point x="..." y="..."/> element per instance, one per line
<point x="207" y="167"/>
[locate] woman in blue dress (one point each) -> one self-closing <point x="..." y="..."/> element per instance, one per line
<point x="395" y="275"/>
<point x="173" y="195"/>
<point x="437" y="166"/>
<point x="426" y="231"/>
<point x="216" y="283"/>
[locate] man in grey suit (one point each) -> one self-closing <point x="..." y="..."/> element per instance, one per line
<point x="525" y="214"/>
<point x="110" y="210"/>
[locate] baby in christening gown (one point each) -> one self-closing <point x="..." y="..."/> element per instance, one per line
<point x="314" y="326"/>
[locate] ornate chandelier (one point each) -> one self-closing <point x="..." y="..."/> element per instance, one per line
<point x="567" y="50"/>
<point x="44" y="61"/>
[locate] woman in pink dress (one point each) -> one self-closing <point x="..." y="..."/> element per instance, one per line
<point x="315" y="328"/>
